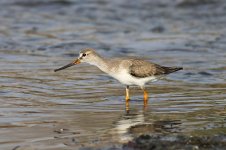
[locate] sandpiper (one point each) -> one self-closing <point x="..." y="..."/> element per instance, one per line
<point x="128" y="71"/>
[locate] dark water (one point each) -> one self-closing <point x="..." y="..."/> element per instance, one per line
<point x="81" y="106"/>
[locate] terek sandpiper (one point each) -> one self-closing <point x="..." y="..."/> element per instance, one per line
<point x="128" y="71"/>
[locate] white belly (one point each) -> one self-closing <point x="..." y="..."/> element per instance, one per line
<point x="125" y="78"/>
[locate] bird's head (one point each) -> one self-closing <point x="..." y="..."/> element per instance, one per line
<point x="87" y="55"/>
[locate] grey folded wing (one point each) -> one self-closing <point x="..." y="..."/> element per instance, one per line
<point x="142" y="69"/>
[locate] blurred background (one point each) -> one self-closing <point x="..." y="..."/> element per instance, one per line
<point x="81" y="106"/>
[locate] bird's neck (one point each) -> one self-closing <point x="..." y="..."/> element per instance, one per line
<point x="101" y="63"/>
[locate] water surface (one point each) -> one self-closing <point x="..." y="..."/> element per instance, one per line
<point x="82" y="106"/>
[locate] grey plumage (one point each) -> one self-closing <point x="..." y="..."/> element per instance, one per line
<point x="142" y="69"/>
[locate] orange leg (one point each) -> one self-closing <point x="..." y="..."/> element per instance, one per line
<point x="145" y="98"/>
<point x="127" y="98"/>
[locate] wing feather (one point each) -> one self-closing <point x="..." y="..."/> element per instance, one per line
<point x="142" y="69"/>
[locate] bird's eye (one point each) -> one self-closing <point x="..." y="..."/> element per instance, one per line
<point x="83" y="55"/>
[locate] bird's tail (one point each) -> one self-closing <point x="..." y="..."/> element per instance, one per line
<point x="169" y="70"/>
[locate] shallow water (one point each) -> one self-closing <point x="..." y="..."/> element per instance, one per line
<point x="81" y="106"/>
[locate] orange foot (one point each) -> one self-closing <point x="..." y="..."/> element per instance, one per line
<point x="127" y="98"/>
<point x="145" y="98"/>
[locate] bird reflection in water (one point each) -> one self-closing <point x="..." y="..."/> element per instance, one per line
<point x="127" y="107"/>
<point x="135" y="122"/>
